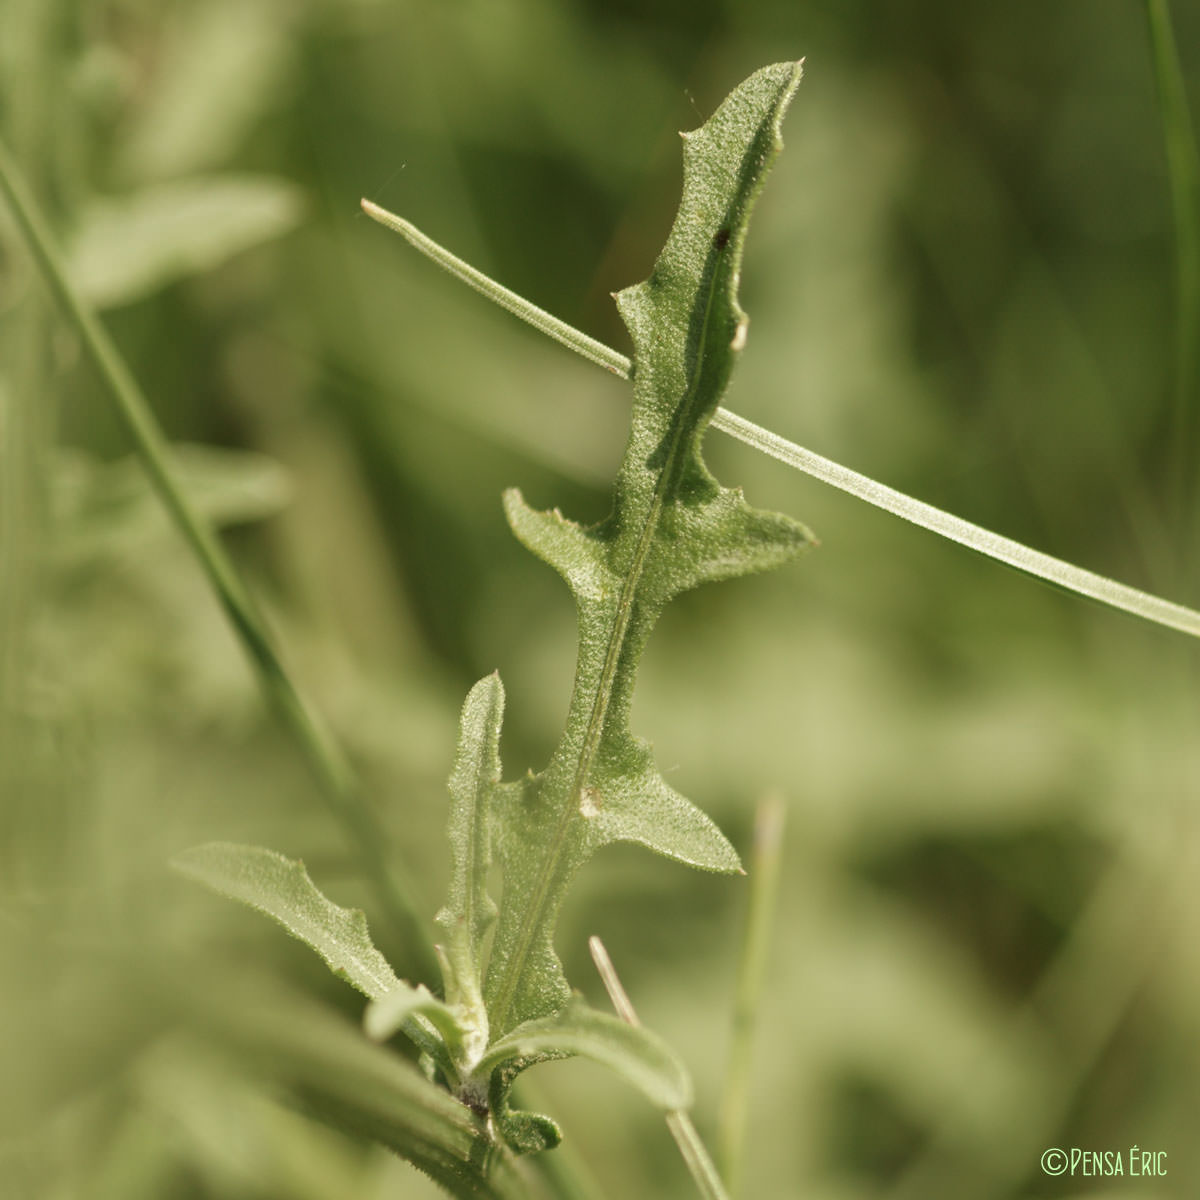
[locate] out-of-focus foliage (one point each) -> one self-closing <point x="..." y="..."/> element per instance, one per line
<point x="960" y="281"/>
<point x="126" y="249"/>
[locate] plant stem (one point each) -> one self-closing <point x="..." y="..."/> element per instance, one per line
<point x="1183" y="172"/>
<point x="333" y="774"/>
<point x="764" y="888"/>
<point x="691" y="1147"/>
<point x="993" y="545"/>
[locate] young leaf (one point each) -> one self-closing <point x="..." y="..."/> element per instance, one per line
<point x="394" y="1011"/>
<point x="672" y="527"/>
<point x="281" y="888"/>
<point x="640" y="1057"/>
<point x="334" y="1073"/>
<point x="470" y="912"/>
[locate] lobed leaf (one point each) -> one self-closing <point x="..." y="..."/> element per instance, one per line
<point x="281" y="888"/>
<point x="672" y="527"/>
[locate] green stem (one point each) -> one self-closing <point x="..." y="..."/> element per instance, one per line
<point x="332" y="772"/>
<point x="993" y="545"/>
<point x="691" y="1145"/>
<point x="764" y="889"/>
<point x="1183" y="173"/>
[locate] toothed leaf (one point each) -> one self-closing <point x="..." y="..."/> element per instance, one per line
<point x="672" y="528"/>
<point x="281" y="888"/>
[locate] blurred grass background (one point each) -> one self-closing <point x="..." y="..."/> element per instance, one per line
<point x="960" y="279"/>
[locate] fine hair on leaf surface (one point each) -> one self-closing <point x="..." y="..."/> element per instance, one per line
<point x="271" y="494"/>
<point x="672" y="527"/>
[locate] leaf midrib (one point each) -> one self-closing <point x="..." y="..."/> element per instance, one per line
<point x="534" y="914"/>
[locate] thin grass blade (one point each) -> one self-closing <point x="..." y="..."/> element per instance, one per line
<point x="332" y="772"/>
<point x="1079" y="580"/>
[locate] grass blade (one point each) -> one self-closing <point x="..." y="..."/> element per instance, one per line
<point x="993" y="545"/>
<point x="764" y="889"/>
<point x="691" y="1147"/>
<point x="541" y="320"/>
<point x="331" y="770"/>
<point x="1183" y="173"/>
<point x="974" y="537"/>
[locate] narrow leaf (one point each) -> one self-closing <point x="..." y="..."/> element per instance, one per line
<point x="470" y="912"/>
<point x="733" y="1124"/>
<point x="334" y="1073"/>
<point x="281" y="888"/>
<point x="638" y="1056"/>
<point x="395" y="1010"/>
<point x="672" y="527"/>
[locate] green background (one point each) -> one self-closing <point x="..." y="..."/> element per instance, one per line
<point x="961" y="281"/>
